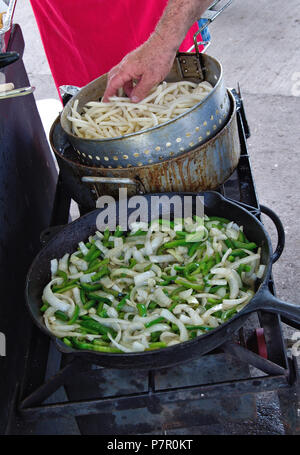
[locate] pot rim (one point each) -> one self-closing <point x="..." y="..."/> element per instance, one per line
<point x="63" y="116"/>
<point x="136" y="168"/>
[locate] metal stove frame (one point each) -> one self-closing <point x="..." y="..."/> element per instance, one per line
<point x="280" y="371"/>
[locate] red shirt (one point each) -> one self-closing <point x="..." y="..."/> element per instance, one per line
<point x="86" y="38"/>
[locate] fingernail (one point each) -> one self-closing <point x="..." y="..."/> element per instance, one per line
<point x="134" y="99"/>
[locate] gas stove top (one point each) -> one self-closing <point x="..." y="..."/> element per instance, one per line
<point x="62" y="394"/>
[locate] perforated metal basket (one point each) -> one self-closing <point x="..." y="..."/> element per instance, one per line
<point x="173" y="138"/>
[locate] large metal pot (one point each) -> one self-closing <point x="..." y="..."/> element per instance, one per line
<point x="204" y="167"/>
<point x="177" y="136"/>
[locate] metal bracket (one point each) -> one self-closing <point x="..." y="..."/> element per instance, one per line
<point x="190" y="66"/>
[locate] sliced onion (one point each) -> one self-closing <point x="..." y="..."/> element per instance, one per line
<point x="52" y="299"/>
<point x="141" y="278"/>
<point x="183" y="331"/>
<point x="83" y="248"/>
<point x="63" y="263"/>
<point x="161" y="298"/>
<point x="87" y="277"/>
<point x="162" y="258"/>
<point x="53" y="266"/>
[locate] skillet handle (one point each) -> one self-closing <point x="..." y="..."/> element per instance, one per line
<point x="280" y="232"/>
<point x="266" y="301"/>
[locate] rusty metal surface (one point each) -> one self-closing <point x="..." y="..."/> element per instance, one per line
<point x="173" y="138"/>
<point x="203" y="168"/>
<point x="158" y="414"/>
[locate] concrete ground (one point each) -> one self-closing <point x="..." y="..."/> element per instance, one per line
<point x="258" y="45"/>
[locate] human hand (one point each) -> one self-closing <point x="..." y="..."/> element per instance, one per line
<point x="148" y="65"/>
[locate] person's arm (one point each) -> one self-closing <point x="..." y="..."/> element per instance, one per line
<point x="152" y="61"/>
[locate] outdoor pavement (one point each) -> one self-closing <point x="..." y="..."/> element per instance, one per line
<point x="258" y="45"/>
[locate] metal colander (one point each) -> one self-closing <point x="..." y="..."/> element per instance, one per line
<point x="160" y="143"/>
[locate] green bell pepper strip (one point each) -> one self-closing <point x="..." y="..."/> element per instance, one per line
<point x="91" y="287"/>
<point x="238" y="253"/>
<point x="108" y="243"/>
<point x="99" y="298"/>
<point x="89" y="304"/>
<point x="113" y="292"/>
<point x="167" y="280"/>
<point x="243" y="268"/>
<point x="68" y="287"/>
<point x="228" y="314"/>
<point x="122" y="302"/>
<point x="99" y="342"/>
<point x="155" y="336"/>
<point x="67" y="342"/>
<point x="44" y="307"/>
<point x="218" y="258"/>
<point x="209" y="265"/>
<point x="179" y="268"/>
<point x="118" y="232"/>
<point x="99" y="308"/>
<point x="175" y="244"/>
<point x="247" y="246"/>
<point x="177" y="291"/>
<point x="242" y="237"/>
<point x="152" y="305"/>
<point x="83" y="298"/>
<point x="198" y="327"/>
<point x="214" y="289"/>
<point x="174" y="328"/>
<point x="180" y="235"/>
<point x="142" y="309"/>
<point x="89" y="255"/>
<point x="103" y="314"/>
<point x="231" y="258"/>
<point x="104" y="271"/>
<point x="157" y="345"/>
<point x="171" y="308"/>
<point x="155" y="321"/>
<point x="214" y="301"/>
<point x="196" y="287"/>
<point x="132" y="263"/>
<point x="93" y="266"/>
<point x="75" y="315"/>
<point x="63" y="275"/>
<point x="229" y="244"/>
<point x="193" y="248"/>
<point x="93" y="347"/>
<point x="89" y="323"/>
<point x="106" y="234"/>
<point x="61" y="315"/>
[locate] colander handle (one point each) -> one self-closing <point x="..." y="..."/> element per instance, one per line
<point x="115" y="180"/>
<point x="210" y="15"/>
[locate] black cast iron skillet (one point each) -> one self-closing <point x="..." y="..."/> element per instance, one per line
<point x="68" y="238"/>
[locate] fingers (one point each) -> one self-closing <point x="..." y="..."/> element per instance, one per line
<point x="115" y="81"/>
<point x="143" y="87"/>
